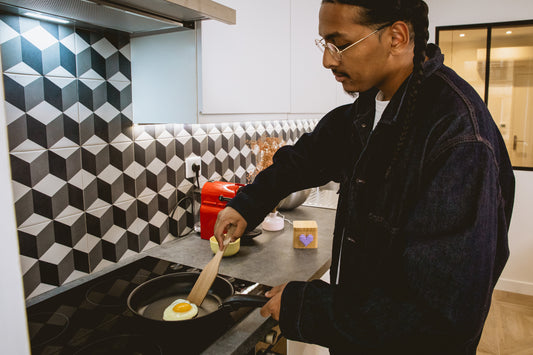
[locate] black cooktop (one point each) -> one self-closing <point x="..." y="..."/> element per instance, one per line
<point x="93" y="318"/>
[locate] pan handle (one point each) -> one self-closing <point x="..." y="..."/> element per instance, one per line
<point x="232" y="303"/>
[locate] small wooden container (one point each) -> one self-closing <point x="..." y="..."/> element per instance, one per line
<point x="305" y="235"/>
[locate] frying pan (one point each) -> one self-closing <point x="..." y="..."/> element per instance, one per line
<point x="149" y="300"/>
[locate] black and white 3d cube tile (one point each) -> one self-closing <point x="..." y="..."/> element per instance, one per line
<point x="32" y="273"/>
<point x="165" y="149"/>
<point x="88" y="253"/>
<point x="56" y="264"/>
<point x="35" y="240"/>
<point x="147" y="205"/>
<point x="95" y="158"/>
<point x="37" y="47"/>
<point x="114" y="243"/>
<point x="175" y="171"/>
<point x="102" y="57"/>
<point x="125" y="212"/>
<point x="134" y="179"/>
<point x="50" y="196"/>
<point x="23" y="197"/>
<point x="70" y="226"/>
<point x="156" y="175"/>
<point x="110" y="184"/>
<point x="159" y="227"/>
<point x="65" y="163"/>
<point x="145" y="152"/>
<point x="99" y="220"/>
<point x="28" y="168"/>
<point x="138" y="235"/>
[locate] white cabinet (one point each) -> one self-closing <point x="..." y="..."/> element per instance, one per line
<point x="267" y="62"/>
<point x="246" y="67"/>
<point x="164" y="68"/>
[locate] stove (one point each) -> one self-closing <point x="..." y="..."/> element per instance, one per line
<point x="93" y="318"/>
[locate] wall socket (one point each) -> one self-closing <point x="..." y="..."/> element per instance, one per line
<point x="189" y="162"/>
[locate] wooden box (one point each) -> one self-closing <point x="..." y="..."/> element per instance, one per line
<point x="305" y="235"/>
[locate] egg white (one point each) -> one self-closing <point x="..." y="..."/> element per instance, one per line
<point x="170" y="315"/>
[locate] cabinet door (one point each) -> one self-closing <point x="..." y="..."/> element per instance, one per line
<point x="246" y="67"/>
<point x="313" y="87"/>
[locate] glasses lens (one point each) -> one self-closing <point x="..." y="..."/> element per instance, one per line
<point x="320" y="44"/>
<point x="334" y="51"/>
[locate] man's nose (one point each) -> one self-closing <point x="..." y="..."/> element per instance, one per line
<point x="328" y="61"/>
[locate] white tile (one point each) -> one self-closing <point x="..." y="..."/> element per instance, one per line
<point x="80" y="44"/>
<point x="50" y="185"/>
<point x="104" y="48"/>
<point x="126" y="51"/>
<point x="110" y="174"/>
<point x="55" y="253"/>
<point x="44" y="112"/>
<point x="23" y="80"/>
<point x="119" y="81"/>
<point x="40" y="38"/>
<point x="156" y="166"/>
<point x="114" y="234"/>
<point x="6" y="33"/>
<point x="60" y="72"/>
<point x="70" y="42"/>
<point x="107" y="111"/>
<point x="12" y="113"/>
<point x="60" y="82"/>
<point x="90" y="75"/>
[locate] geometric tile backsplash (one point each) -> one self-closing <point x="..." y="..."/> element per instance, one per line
<point x="90" y="187"/>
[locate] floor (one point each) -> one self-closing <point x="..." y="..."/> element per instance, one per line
<point x="508" y="329"/>
<point x="509" y="326"/>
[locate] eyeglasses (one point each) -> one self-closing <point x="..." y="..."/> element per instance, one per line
<point x="335" y="52"/>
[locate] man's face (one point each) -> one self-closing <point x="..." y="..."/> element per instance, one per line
<point x="362" y="66"/>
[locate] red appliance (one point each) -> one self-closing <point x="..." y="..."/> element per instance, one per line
<point x="215" y="196"/>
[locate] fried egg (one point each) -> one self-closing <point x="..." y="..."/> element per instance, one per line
<point x="180" y="310"/>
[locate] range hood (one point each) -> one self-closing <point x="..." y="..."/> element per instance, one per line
<point x="136" y="17"/>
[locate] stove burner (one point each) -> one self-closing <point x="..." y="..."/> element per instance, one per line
<point x="124" y="344"/>
<point x="45" y="327"/>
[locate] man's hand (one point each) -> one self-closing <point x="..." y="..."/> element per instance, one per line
<point x="272" y="307"/>
<point x="226" y="218"/>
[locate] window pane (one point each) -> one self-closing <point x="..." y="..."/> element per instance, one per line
<point x="465" y="51"/>
<point x="511" y="90"/>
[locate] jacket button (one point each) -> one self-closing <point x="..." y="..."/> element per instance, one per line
<point x="363" y="125"/>
<point x="360" y="181"/>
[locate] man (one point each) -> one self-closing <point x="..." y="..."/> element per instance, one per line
<point x="425" y="200"/>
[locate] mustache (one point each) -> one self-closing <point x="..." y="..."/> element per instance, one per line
<point x="339" y="73"/>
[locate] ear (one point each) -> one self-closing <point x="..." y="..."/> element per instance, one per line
<point x="400" y="40"/>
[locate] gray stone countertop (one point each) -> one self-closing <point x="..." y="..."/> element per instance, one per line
<point x="268" y="259"/>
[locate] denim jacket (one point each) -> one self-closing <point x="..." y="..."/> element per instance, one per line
<point x="417" y="252"/>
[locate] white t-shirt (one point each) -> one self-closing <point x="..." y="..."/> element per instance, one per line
<point x="380" y="107"/>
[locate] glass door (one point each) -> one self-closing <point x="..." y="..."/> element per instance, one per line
<point x="511" y="90"/>
<point x="505" y="50"/>
<point x="465" y="51"/>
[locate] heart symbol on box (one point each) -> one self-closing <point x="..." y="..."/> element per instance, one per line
<point x="306" y="239"/>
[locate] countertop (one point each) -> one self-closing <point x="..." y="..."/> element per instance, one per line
<point x="268" y="259"/>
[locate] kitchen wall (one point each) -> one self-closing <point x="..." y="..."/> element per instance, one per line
<point x="517" y="276"/>
<point x="90" y="187"/>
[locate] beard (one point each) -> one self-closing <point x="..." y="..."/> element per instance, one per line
<point x="353" y="94"/>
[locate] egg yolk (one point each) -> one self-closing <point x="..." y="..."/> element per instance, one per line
<point x="182" y="307"/>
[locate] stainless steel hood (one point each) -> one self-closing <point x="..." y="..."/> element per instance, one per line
<point x="136" y="17"/>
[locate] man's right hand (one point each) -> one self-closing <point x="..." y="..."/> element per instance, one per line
<point x="226" y="218"/>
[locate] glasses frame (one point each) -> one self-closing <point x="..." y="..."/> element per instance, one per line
<point x="335" y="52"/>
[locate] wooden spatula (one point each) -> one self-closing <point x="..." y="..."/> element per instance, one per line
<point x="208" y="274"/>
